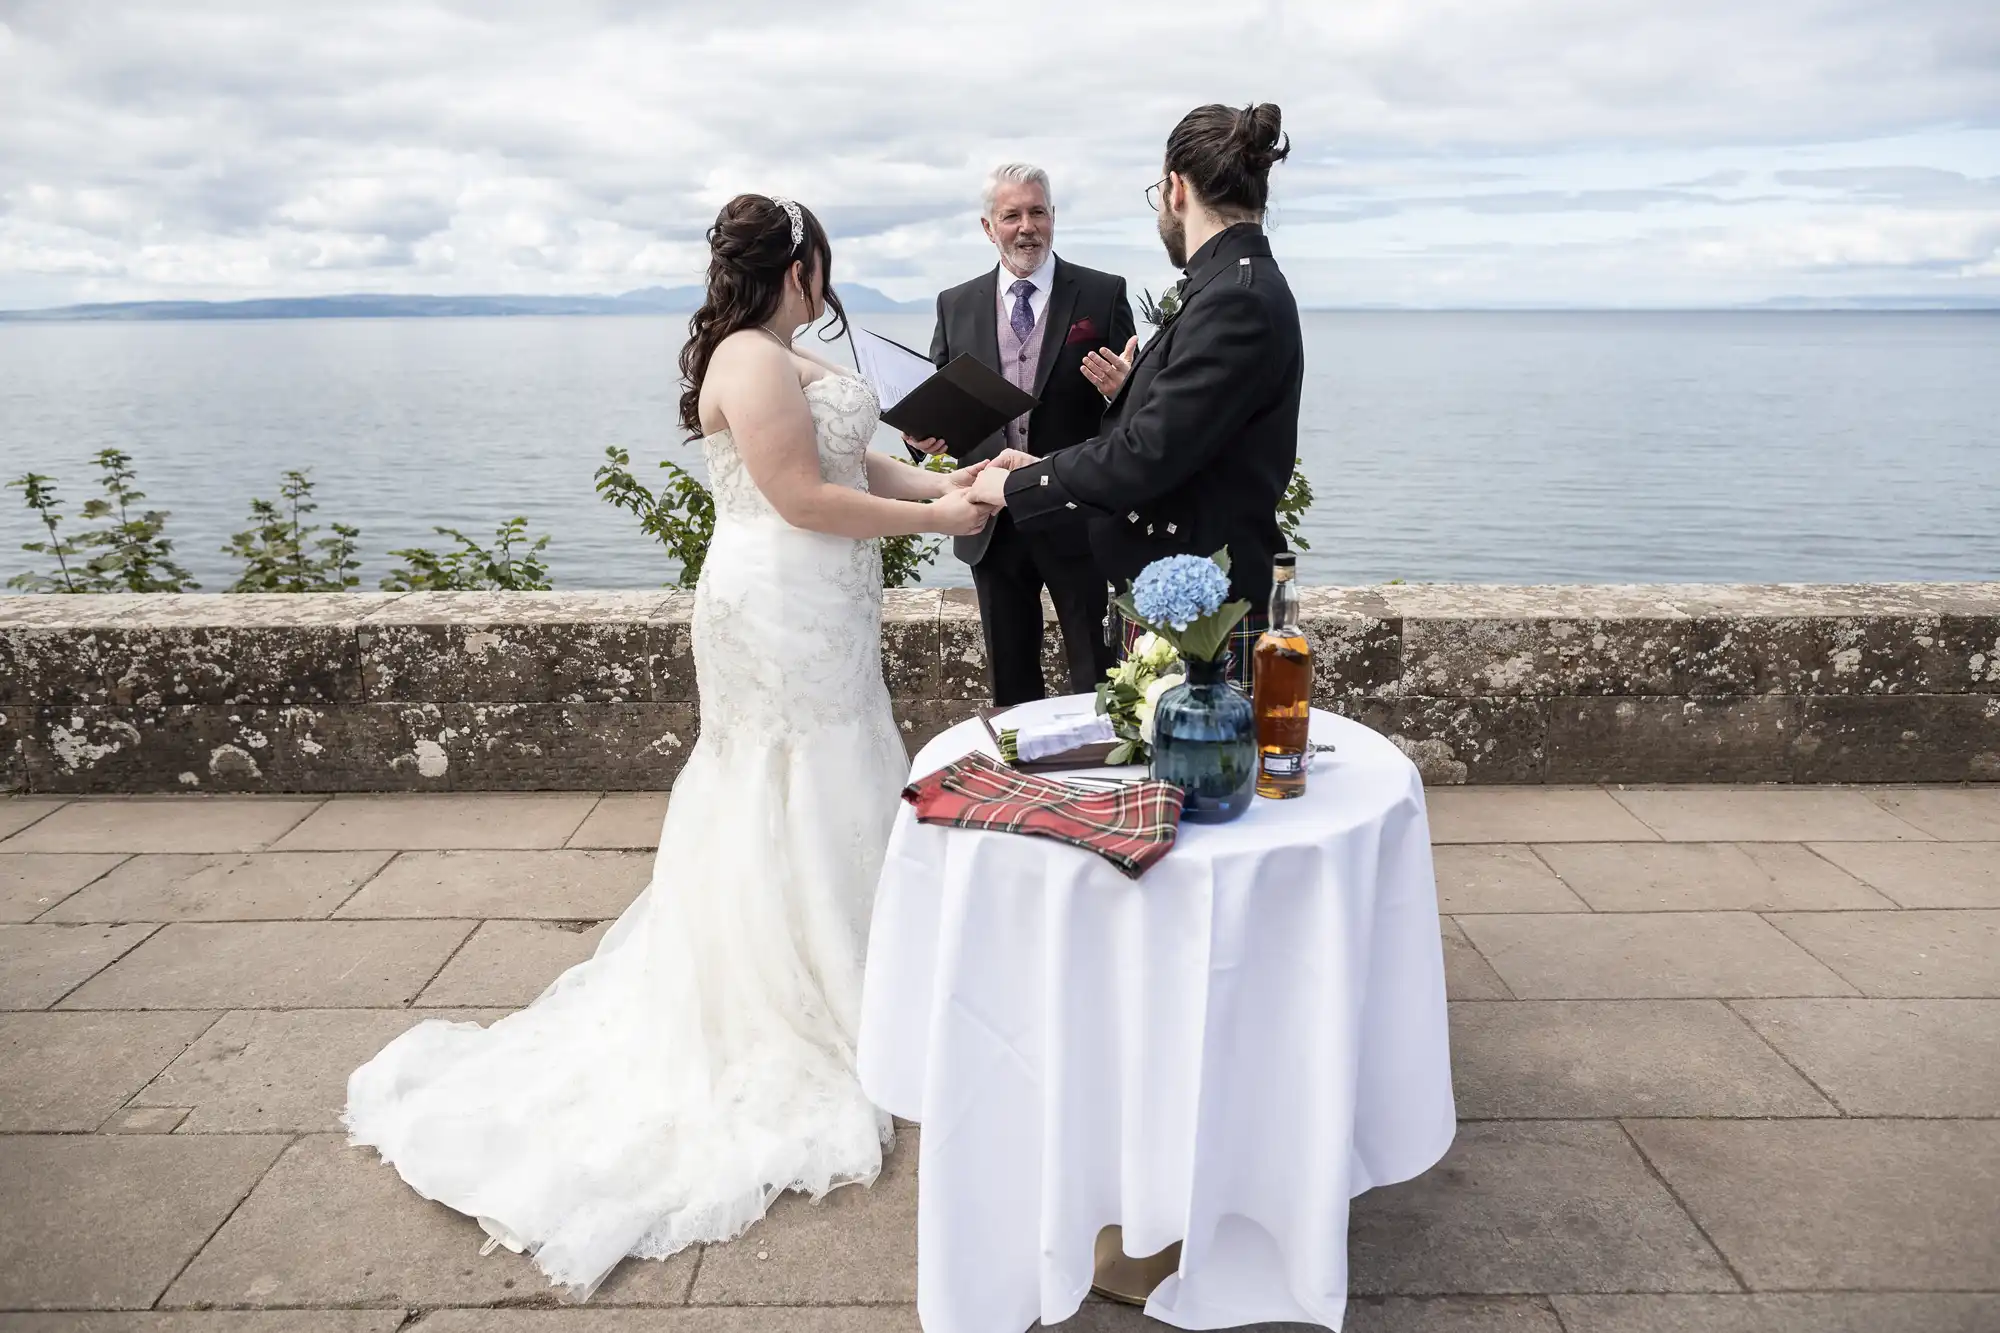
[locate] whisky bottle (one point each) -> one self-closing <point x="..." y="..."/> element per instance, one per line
<point x="1281" y="689"/>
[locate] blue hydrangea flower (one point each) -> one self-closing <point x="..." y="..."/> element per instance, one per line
<point x="1179" y="590"/>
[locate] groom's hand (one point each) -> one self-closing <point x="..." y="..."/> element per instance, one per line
<point x="990" y="487"/>
<point x="1107" y="370"/>
<point x="1013" y="458"/>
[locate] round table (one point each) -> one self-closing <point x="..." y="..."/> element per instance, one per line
<point x="1221" y="1053"/>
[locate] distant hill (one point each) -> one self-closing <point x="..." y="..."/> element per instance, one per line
<point x="858" y="299"/>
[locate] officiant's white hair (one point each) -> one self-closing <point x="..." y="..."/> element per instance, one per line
<point x="1016" y="173"/>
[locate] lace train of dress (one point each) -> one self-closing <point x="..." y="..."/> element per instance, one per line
<point x="663" y="1092"/>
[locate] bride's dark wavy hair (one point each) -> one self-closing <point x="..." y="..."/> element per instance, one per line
<point x="750" y="255"/>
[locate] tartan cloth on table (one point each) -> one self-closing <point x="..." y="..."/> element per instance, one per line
<point x="1131" y="827"/>
<point x="1242" y="643"/>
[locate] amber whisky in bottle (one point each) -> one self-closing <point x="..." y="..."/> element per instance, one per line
<point x="1281" y="689"/>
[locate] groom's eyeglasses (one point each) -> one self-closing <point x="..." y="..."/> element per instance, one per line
<point x="1157" y="191"/>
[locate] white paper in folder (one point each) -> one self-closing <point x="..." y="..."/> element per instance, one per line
<point x="890" y="367"/>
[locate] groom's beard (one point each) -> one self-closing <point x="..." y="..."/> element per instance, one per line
<point x="1173" y="235"/>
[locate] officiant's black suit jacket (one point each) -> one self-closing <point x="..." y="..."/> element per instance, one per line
<point x="1199" y="445"/>
<point x="1087" y="310"/>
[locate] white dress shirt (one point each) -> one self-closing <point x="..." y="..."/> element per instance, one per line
<point x="1038" y="300"/>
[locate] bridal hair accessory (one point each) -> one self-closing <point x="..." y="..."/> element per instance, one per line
<point x="798" y="220"/>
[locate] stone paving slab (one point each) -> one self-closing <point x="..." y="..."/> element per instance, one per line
<point x="1970" y="814"/>
<point x="33" y="882"/>
<point x="1499" y="878"/>
<point x="274" y="964"/>
<point x="547" y="885"/>
<point x="1709" y="877"/>
<point x="1912" y="953"/>
<point x="17" y="812"/>
<point x="209" y="1321"/>
<point x="332" y="1225"/>
<point x="1840" y="1204"/>
<point x="835" y="1319"/>
<point x="1555" y="814"/>
<point x="623" y="819"/>
<point x="1467" y="974"/>
<point x="1647" y="955"/>
<point x="1726" y="814"/>
<point x="165" y="824"/>
<point x="253" y="886"/>
<point x="66" y="1072"/>
<point x="439" y="822"/>
<point x="1445" y="1314"/>
<point x="259" y="1072"/>
<point x="1530" y="1207"/>
<point x="1891" y="1057"/>
<point x="1760" y="1312"/>
<point x="1923" y="874"/>
<point x="104" y="1222"/>
<point x="509" y="963"/>
<point x="41" y="964"/>
<point x="855" y="1245"/>
<point x="1583" y="1059"/>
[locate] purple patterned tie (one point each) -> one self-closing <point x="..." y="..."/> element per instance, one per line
<point x="1022" y="320"/>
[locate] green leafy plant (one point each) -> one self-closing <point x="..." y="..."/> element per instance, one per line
<point x="1293" y="506"/>
<point x="38" y="493"/>
<point x="680" y="516"/>
<point x="134" y="552"/>
<point x="471" y="567"/>
<point x="284" y="553"/>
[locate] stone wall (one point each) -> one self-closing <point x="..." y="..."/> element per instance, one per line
<point x="465" y="691"/>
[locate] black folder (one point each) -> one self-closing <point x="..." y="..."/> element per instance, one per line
<point x="961" y="405"/>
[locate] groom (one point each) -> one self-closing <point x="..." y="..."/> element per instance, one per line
<point x="1052" y="328"/>
<point x="1200" y="443"/>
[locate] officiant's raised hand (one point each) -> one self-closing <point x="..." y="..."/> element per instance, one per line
<point x="1107" y="370"/>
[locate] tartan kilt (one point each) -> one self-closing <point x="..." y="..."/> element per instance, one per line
<point x="1242" y="643"/>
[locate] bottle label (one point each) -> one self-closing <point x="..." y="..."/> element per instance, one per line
<point x="1283" y="765"/>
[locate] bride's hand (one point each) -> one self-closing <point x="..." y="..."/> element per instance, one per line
<point x="957" y="514"/>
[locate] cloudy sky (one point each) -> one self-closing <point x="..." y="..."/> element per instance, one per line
<point x="1448" y="152"/>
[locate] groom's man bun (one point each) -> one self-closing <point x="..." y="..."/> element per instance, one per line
<point x="1226" y="154"/>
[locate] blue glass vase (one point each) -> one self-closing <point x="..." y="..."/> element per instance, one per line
<point x="1205" y="743"/>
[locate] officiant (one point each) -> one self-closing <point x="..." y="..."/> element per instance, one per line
<point x="1063" y="333"/>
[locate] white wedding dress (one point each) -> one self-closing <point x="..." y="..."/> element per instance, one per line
<point x="662" y="1093"/>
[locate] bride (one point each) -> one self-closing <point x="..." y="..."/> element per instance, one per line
<point x="662" y="1093"/>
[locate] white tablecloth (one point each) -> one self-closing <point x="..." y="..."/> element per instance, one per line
<point x="1222" y="1052"/>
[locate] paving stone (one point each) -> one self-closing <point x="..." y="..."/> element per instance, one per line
<point x="1445" y="1314"/>
<point x="623" y="819"/>
<point x="854" y="1245"/>
<point x="1523" y="1207"/>
<point x="557" y="885"/>
<point x="145" y="1120"/>
<point x="1891" y="1057"/>
<point x="1723" y="814"/>
<point x="1966" y="814"/>
<point x="1706" y="877"/>
<point x="1912" y="953"/>
<point x="1898" y="1205"/>
<point x="41" y="964"/>
<point x="334" y="1225"/>
<point x="274" y="1073"/>
<point x="1499" y="878"/>
<point x="1580" y="814"/>
<point x="1774" y="1312"/>
<point x="1647" y="955"/>
<point x="18" y="812"/>
<point x="437" y="822"/>
<point x="209" y="1321"/>
<point x="275" y="964"/>
<point x="1581" y="1059"/>
<point x="506" y="964"/>
<point x="254" y="886"/>
<point x="1924" y="874"/>
<point x="715" y="1319"/>
<point x="104" y="1222"/>
<point x="165" y="824"/>
<point x="33" y="882"/>
<point x="67" y="1072"/>
<point x="1467" y="976"/>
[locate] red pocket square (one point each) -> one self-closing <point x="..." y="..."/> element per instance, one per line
<point x="1083" y="331"/>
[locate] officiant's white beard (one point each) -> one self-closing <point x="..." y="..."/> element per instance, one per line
<point x="1025" y="255"/>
